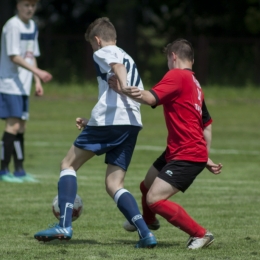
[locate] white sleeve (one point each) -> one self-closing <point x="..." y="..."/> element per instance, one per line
<point x="104" y="57"/>
<point x="36" y="51"/>
<point x="12" y="36"/>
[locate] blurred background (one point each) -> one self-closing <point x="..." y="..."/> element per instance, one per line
<point x="225" y="36"/>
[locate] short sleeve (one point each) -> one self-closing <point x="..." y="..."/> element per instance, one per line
<point x="36" y="51"/>
<point x="206" y="118"/>
<point x="168" y="88"/>
<point x="104" y="57"/>
<point x="12" y="36"/>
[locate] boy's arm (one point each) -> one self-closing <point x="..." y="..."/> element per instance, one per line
<point x="119" y="84"/>
<point x="208" y="136"/>
<point x="42" y="74"/>
<point x="38" y="85"/>
<point x="121" y="75"/>
<point x="211" y="166"/>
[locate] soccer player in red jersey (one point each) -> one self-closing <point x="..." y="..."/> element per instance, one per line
<point x="188" y="142"/>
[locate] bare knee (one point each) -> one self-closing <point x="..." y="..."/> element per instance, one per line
<point x="151" y="198"/>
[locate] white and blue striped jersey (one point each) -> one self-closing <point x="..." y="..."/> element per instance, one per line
<point x="20" y="39"/>
<point x="113" y="108"/>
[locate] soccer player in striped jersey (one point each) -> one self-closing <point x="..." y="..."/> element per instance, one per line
<point x="112" y="130"/>
<point x="19" y="47"/>
<point x="188" y="142"/>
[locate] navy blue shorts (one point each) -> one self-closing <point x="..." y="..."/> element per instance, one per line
<point x="116" y="141"/>
<point x="180" y="174"/>
<point x="14" y="106"/>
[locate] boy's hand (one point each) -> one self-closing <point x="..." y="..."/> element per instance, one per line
<point x="133" y="92"/>
<point x="114" y="84"/>
<point x="43" y="75"/>
<point x="38" y="89"/>
<point x="81" y="122"/>
<point x="214" y="168"/>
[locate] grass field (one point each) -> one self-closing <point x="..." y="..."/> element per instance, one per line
<point x="228" y="204"/>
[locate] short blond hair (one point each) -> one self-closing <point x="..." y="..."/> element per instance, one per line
<point x="103" y="28"/>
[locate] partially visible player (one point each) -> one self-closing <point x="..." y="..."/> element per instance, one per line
<point x="188" y="142"/>
<point x="112" y="130"/>
<point x="19" y="47"/>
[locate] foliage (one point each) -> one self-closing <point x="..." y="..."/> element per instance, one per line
<point x="227" y="204"/>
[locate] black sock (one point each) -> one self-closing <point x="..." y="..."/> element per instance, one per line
<point x="7" y="150"/>
<point x="18" y="153"/>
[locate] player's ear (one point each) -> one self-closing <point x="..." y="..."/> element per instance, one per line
<point x="174" y="56"/>
<point x="98" y="41"/>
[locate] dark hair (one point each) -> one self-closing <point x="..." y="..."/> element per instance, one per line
<point x="18" y="1"/>
<point x="182" y="48"/>
<point x="103" y="28"/>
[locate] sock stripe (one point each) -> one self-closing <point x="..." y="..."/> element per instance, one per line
<point x="67" y="172"/>
<point x="118" y="194"/>
<point x="18" y="150"/>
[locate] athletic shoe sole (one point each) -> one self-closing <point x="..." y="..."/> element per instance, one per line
<point x="50" y="238"/>
<point x="207" y="244"/>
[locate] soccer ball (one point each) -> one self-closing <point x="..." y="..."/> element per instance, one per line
<point x="77" y="207"/>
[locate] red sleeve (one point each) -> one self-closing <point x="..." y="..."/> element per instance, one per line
<point x="168" y="88"/>
<point x="208" y="123"/>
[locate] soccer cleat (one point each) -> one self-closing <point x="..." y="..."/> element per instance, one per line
<point x="27" y="178"/>
<point x="8" y="177"/>
<point x="54" y="232"/>
<point x="147" y="242"/>
<point x="200" y="242"/>
<point x="131" y="228"/>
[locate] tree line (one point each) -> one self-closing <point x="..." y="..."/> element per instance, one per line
<point x="144" y="27"/>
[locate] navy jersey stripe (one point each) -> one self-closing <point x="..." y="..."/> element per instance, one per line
<point x="29" y="36"/>
<point x="99" y="73"/>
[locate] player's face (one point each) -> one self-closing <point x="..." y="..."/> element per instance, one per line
<point x="26" y="10"/>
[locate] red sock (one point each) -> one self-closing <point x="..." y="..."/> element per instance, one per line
<point x="178" y="217"/>
<point x="148" y="215"/>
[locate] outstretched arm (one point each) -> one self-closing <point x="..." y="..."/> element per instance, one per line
<point x="42" y="74"/>
<point x="211" y="166"/>
<point x="119" y="85"/>
<point x="38" y="85"/>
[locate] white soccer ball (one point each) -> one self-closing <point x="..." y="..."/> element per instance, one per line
<point x="77" y="207"/>
<point x="128" y="227"/>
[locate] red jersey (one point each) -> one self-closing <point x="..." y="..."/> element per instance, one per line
<point x="181" y="96"/>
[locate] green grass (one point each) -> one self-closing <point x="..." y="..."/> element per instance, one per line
<point x="228" y="204"/>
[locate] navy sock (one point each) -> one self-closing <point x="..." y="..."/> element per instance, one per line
<point x="67" y="190"/>
<point x="128" y="206"/>
<point x="7" y="150"/>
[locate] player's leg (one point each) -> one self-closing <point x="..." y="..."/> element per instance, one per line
<point x="172" y="176"/>
<point x="11" y="129"/>
<point x="67" y="190"/>
<point x="67" y="185"/>
<point x="126" y="203"/>
<point x="118" y="160"/>
<point x="152" y="173"/>
<point x="148" y="215"/>
<point x="18" y="154"/>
